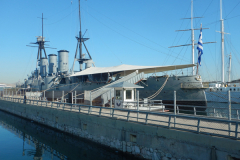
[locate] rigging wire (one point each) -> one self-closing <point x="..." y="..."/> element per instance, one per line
<point x="170" y="50"/>
<point x="203" y="13"/>
<point x="232" y="9"/>
<point x="130" y="38"/>
<point x="63" y="17"/>
<point x="128" y="28"/>
<point x="232" y="17"/>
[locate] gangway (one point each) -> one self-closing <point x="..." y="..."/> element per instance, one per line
<point x="108" y="93"/>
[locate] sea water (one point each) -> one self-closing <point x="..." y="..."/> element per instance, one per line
<point x="21" y="139"/>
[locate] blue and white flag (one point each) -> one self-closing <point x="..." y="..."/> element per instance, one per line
<point x="200" y="47"/>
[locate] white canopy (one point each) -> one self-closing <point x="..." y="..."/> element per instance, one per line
<point x="127" y="69"/>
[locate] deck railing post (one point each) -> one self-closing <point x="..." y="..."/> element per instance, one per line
<point x="44" y="96"/>
<point x="177" y="110"/>
<point x="137" y="105"/>
<point x="214" y="111"/>
<point x="237" y="115"/>
<point x="229" y="112"/>
<point x="198" y="126"/>
<point x="72" y="97"/>
<point x="110" y="102"/>
<point x="75" y="97"/>
<point x="194" y="111"/>
<point x="62" y="100"/>
<point x="90" y="98"/>
<point x="169" y="121"/>
<point x="128" y="115"/>
<point x="89" y="112"/>
<point x="236" y="131"/>
<point x="175" y="104"/>
<point x="146" y="120"/>
<point x="100" y="111"/>
<point x="52" y="96"/>
<point x="113" y="112"/>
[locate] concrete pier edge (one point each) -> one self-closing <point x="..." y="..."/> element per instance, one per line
<point x="150" y="142"/>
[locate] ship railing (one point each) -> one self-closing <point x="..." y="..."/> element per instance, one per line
<point x="194" y="85"/>
<point x="196" y="124"/>
<point x="144" y="105"/>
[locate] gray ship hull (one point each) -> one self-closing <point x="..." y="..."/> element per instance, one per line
<point x="189" y="90"/>
<point x="194" y="95"/>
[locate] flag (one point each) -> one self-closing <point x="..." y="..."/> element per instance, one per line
<point x="200" y="47"/>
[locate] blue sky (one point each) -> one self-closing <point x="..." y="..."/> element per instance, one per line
<point x="135" y="32"/>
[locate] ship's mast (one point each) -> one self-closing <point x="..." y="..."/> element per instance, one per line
<point x="222" y="40"/>
<point x="80" y="39"/>
<point x="192" y="36"/>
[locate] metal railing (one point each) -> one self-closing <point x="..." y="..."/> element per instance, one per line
<point x="196" y="124"/>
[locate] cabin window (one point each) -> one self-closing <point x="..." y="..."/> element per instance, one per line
<point x="128" y="94"/>
<point x="118" y="94"/>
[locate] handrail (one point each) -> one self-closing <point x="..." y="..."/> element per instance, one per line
<point x="215" y="126"/>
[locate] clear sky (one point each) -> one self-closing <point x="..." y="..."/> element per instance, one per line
<point x="134" y="32"/>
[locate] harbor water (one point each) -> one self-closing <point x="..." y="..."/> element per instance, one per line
<point x="23" y="139"/>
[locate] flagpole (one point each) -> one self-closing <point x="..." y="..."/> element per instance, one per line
<point x="200" y="48"/>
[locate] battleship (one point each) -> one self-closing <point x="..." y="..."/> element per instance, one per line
<point x="53" y="78"/>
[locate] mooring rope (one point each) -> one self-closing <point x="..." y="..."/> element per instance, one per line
<point x="160" y="89"/>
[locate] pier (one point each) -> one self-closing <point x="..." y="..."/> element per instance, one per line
<point x="151" y="135"/>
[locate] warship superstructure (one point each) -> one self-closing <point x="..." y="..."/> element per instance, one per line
<point x="52" y="76"/>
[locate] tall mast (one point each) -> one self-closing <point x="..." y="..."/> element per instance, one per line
<point x="222" y="40"/>
<point x="192" y="29"/>
<point x="192" y="36"/>
<point x="42" y="26"/>
<point x="80" y="38"/>
<point x="80" y="41"/>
